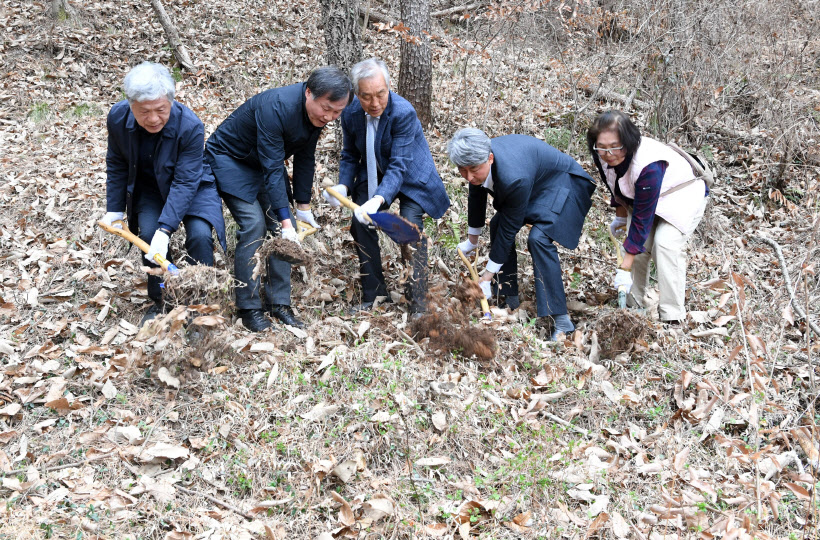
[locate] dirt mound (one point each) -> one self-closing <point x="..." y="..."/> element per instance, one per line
<point x="618" y="331"/>
<point x="447" y="324"/>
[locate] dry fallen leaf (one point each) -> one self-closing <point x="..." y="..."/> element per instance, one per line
<point x="165" y="376"/>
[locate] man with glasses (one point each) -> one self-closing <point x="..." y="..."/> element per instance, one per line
<point x="531" y="183"/>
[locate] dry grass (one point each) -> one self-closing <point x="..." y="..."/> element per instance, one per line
<point x="684" y="436"/>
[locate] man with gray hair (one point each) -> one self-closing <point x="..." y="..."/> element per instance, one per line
<point x="531" y="183"/>
<point x="156" y="176"/>
<point x="247" y="153"/>
<point x="385" y="157"/>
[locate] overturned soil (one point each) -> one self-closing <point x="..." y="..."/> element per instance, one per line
<point x="619" y="330"/>
<point x="447" y="324"/>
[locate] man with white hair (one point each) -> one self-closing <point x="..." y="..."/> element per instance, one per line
<point x="385" y="156"/>
<point x="531" y="183"/>
<point x="156" y="177"/>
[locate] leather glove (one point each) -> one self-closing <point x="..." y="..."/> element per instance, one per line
<point x="467" y="247"/>
<point x="341" y="189"/>
<point x="618" y="226"/>
<point x="159" y="245"/>
<point x="370" y="207"/>
<point x="110" y="217"/>
<point x="290" y="234"/>
<point x="486" y="288"/>
<point x="623" y="278"/>
<point x="307" y="217"/>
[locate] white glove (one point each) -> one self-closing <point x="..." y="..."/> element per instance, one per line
<point x="307" y="217"/>
<point x="159" y="245"/>
<point x="341" y="189"/>
<point x="290" y="234"/>
<point x="623" y="278"/>
<point x="618" y="226"/>
<point x="486" y="288"/>
<point x="467" y="247"/>
<point x="110" y="217"/>
<point x="370" y="207"/>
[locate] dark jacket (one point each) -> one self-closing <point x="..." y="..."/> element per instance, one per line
<point x="184" y="180"/>
<point x="401" y="152"/>
<point x="248" y="150"/>
<point x="532" y="183"/>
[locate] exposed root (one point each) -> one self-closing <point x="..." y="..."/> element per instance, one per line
<point x="618" y="331"/>
<point x="198" y="284"/>
<point x="447" y="324"/>
<point x="279" y="248"/>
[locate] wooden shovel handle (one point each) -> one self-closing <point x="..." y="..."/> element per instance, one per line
<point x="485" y="306"/>
<point x="304" y="229"/>
<point x="345" y="201"/>
<point x="140" y="243"/>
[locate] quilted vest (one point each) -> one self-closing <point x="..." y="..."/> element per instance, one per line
<point x="680" y="207"/>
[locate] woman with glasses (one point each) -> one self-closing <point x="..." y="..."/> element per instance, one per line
<point x="658" y="202"/>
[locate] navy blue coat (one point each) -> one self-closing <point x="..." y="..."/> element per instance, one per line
<point x="536" y="184"/>
<point x="248" y="150"/>
<point x="401" y="151"/>
<point x="184" y="180"/>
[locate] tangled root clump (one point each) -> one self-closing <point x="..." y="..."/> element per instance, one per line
<point x="447" y="324"/>
<point x="619" y="330"/>
<point x="281" y="249"/>
<point x="198" y="284"/>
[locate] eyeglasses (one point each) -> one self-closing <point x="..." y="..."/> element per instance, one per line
<point x="610" y="151"/>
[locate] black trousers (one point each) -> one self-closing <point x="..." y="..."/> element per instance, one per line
<point x="549" y="284"/>
<point x="370" y="259"/>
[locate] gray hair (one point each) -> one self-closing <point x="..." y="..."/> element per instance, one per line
<point x="368" y="68"/>
<point x="469" y="147"/>
<point x="147" y="82"/>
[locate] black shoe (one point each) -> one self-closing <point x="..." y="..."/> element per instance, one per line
<point x="254" y="319"/>
<point x="364" y="306"/>
<point x="512" y="302"/>
<point x="285" y="314"/>
<point x="157" y="308"/>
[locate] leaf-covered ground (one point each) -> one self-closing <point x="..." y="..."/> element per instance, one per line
<point x="370" y="426"/>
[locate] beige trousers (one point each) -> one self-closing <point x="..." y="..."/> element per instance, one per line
<point x="666" y="248"/>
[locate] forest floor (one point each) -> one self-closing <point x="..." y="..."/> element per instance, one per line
<point x="370" y="426"/>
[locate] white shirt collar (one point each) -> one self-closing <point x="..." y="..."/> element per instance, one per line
<point x="488" y="183"/>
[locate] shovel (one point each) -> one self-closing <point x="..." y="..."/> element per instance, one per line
<point x="137" y="241"/>
<point x="620" y="256"/>
<point x="485" y="306"/>
<point x="396" y="227"/>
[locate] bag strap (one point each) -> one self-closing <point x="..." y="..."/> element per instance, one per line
<point x="679" y="187"/>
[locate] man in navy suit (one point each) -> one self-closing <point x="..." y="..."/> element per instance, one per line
<point x="531" y="183"/>
<point x="247" y="153"/>
<point x="156" y="177"/>
<point x="385" y="156"/>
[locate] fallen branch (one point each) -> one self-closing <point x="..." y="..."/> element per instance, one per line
<point x="219" y="502"/>
<point x="788" y="283"/>
<point x="370" y="14"/>
<point x="58" y="467"/>
<point x="570" y="425"/>
<point x="615" y="96"/>
<point x="179" y="49"/>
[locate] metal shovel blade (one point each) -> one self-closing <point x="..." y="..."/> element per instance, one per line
<point x="396" y="227"/>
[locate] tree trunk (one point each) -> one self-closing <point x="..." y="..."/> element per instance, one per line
<point x="179" y="49"/>
<point x="342" y="32"/>
<point x="61" y="9"/>
<point x="416" y="71"/>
